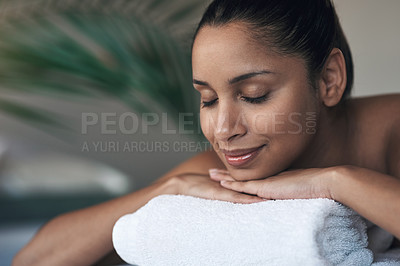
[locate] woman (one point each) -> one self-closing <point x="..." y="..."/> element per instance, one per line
<point x="274" y="78"/>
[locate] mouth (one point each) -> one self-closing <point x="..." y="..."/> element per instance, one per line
<point x="241" y="156"/>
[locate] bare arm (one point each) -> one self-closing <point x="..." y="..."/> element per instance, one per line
<point x="84" y="237"/>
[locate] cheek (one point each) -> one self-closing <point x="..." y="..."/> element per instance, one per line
<point x="268" y="120"/>
<point x="262" y="122"/>
<point x="287" y="116"/>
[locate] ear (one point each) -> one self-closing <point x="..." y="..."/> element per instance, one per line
<point x="333" y="78"/>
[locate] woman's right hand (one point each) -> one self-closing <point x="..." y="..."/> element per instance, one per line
<point x="201" y="186"/>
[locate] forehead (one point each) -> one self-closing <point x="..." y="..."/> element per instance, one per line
<point x="226" y="42"/>
<point x="230" y="50"/>
<point x="236" y="32"/>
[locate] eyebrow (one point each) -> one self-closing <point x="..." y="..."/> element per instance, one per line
<point x="236" y="79"/>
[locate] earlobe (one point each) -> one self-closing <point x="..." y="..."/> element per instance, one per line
<point x="333" y="78"/>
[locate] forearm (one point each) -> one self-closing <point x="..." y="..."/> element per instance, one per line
<point x="83" y="237"/>
<point x="373" y="195"/>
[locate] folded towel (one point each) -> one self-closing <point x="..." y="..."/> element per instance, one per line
<point x="184" y="230"/>
<point x="379" y="240"/>
<point x="390" y="257"/>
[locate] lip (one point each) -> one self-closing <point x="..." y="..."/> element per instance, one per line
<point x="241" y="156"/>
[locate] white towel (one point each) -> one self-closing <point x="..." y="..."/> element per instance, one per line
<point x="184" y="230"/>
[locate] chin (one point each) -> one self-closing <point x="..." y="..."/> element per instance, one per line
<point x="255" y="173"/>
<point x="246" y="174"/>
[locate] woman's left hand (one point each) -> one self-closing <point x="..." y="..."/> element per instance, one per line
<point x="293" y="184"/>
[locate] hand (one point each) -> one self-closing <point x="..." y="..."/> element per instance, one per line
<point x="201" y="186"/>
<point x="293" y="184"/>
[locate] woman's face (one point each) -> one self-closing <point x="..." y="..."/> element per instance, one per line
<point x="258" y="109"/>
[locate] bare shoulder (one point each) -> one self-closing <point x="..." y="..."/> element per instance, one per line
<point x="379" y="114"/>
<point x="393" y="152"/>
<point x="376" y="122"/>
<point x="386" y="106"/>
<point x="385" y="113"/>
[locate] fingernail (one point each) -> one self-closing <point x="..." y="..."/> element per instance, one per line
<point x="223" y="182"/>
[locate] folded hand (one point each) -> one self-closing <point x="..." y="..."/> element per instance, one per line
<point x="293" y="184"/>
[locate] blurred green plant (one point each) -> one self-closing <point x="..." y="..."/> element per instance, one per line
<point x="135" y="51"/>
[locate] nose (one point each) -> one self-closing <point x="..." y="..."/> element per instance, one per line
<point x="231" y="123"/>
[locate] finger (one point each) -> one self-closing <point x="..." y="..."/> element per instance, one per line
<point x="216" y="170"/>
<point x="218" y="176"/>
<point x="251" y="187"/>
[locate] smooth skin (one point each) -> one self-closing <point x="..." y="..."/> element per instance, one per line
<point x="352" y="157"/>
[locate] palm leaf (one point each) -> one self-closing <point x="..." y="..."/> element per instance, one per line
<point x="121" y="49"/>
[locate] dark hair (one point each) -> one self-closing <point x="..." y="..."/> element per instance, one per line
<point x="307" y="28"/>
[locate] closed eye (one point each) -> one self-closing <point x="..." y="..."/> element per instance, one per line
<point x="209" y="103"/>
<point x="255" y="100"/>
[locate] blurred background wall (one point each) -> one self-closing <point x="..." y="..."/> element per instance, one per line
<point x="371" y="29"/>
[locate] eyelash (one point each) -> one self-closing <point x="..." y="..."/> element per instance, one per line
<point x="256" y="100"/>
<point x="207" y="104"/>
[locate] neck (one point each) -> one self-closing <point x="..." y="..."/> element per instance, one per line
<point x="330" y="143"/>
